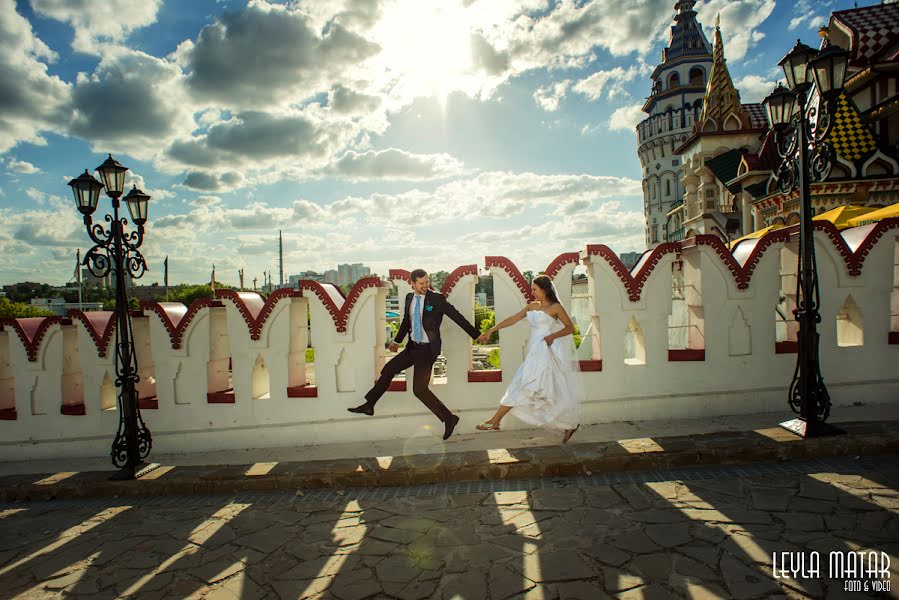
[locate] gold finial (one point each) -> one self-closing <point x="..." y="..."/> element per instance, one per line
<point x="718" y="21"/>
<point x="824" y="32"/>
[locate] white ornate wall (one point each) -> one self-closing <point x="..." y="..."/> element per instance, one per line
<point x="230" y="372"/>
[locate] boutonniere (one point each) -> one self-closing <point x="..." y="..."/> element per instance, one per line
<point x="429" y="308"/>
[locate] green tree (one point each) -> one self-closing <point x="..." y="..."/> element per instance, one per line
<point x="529" y="276"/>
<point x="437" y="279"/>
<point x="20" y="310"/>
<point x="132" y="303"/>
<point x="493" y="358"/>
<point x="188" y="293"/>
<point x="486" y="318"/>
<point x="485" y="284"/>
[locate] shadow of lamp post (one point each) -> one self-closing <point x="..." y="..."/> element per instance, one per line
<point x="801" y="138"/>
<point x="116" y="251"/>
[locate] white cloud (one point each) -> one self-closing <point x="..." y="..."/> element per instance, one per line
<point x="393" y="164"/>
<point x="611" y="81"/>
<point x="492" y="195"/>
<point x="739" y="23"/>
<point x="31" y="100"/>
<point x="23" y="167"/>
<point x="98" y="25"/>
<point x="548" y="97"/>
<point x="806" y="12"/>
<point x="627" y="117"/>
<point x="754" y="88"/>
<point x="149" y="111"/>
<point x="268" y="54"/>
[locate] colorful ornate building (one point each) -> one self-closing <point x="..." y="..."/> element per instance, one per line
<point x="725" y="132"/>
<point x="725" y="155"/>
<point x="678" y="86"/>
<point x="866" y="132"/>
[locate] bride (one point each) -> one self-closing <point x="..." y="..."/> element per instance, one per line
<point x="546" y="390"/>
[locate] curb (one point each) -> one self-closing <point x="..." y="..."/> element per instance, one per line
<point x="725" y="448"/>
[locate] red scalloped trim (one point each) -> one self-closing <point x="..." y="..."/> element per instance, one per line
<point x="786" y="347"/>
<point x="634" y="285"/>
<point x="588" y="366"/>
<point x="176" y="330"/>
<point x="488" y="376"/>
<point x="302" y="391"/>
<point x="686" y="354"/>
<point x="77" y="410"/>
<point x="456" y="276"/>
<point x="340" y="314"/>
<point x="856" y="260"/>
<point x="560" y="261"/>
<point x="517" y="278"/>
<point x="402" y="274"/>
<point x="101" y="340"/>
<point x="8" y="414"/>
<point x="255" y="323"/>
<point x="893" y="337"/>
<point x="31" y="331"/>
<point x="148" y="402"/>
<point x="223" y="397"/>
<point x="743" y="273"/>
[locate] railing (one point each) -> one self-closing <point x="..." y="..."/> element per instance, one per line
<point x="676" y="235"/>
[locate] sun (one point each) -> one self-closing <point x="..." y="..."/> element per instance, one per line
<point x="426" y="48"/>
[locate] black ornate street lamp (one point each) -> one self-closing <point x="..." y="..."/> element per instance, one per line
<point x="798" y="132"/>
<point x="116" y="251"/>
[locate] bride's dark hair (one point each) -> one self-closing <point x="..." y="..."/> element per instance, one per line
<point x="546" y="284"/>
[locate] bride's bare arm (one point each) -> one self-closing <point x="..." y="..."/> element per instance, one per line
<point x="509" y="321"/>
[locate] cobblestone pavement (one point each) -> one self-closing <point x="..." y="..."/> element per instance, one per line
<point x="696" y="534"/>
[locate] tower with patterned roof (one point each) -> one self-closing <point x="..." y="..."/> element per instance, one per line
<point x="725" y="133"/>
<point x="678" y="87"/>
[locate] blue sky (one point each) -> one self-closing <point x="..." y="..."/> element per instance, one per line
<point x="398" y="133"/>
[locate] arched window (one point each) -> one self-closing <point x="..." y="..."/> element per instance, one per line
<point x="697" y="76"/>
<point x="667" y="187"/>
<point x="673" y="81"/>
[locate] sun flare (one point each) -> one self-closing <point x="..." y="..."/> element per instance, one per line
<point x="426" y="48"/>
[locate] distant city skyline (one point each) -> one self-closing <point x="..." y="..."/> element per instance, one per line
<point x="402" y="133"/>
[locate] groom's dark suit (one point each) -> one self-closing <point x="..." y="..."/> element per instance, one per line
<point x="421" y="356"/>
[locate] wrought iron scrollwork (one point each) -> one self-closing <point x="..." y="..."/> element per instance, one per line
<point x="116" y="252"/>
<point x="807" y="155"/>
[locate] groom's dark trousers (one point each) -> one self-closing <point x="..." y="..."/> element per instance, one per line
<point x="421" y="356"/>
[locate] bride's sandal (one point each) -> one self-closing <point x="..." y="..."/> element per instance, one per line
<point x="570" y="433"/>
<point x="487" y="426"/>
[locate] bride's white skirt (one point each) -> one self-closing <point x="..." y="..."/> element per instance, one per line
<point x="547" y="390"/>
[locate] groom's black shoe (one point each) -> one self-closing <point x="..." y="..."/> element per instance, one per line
<point x="365" y="409"/>
<point x="450" y="425"/>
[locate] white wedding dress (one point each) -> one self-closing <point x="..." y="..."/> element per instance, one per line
<point x="547" y="389"/>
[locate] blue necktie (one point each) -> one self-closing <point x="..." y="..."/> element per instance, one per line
<point x="416" y="320"/>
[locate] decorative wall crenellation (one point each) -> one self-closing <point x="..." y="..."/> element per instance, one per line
<point x="690" y="330"/>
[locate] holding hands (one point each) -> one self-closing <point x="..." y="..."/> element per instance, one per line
<point x="484" y="337"/>
<point x="394" y="346"/>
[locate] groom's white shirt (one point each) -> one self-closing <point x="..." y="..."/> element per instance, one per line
<point x="421" y="314"/>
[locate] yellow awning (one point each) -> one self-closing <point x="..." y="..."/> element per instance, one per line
<point x="755" y="234"/>
<point x="876" y="215"/>
<point x="841" y="216"/>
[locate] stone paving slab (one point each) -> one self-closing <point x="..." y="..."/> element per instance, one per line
<point x="576" y="459"/>
<point x="626" y="541"/>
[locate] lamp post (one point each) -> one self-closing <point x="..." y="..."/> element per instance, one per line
<point x="800" y="135"/>
<point x="116" y="251"/>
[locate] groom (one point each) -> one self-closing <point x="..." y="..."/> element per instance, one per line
<point x="424" y="312"/>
